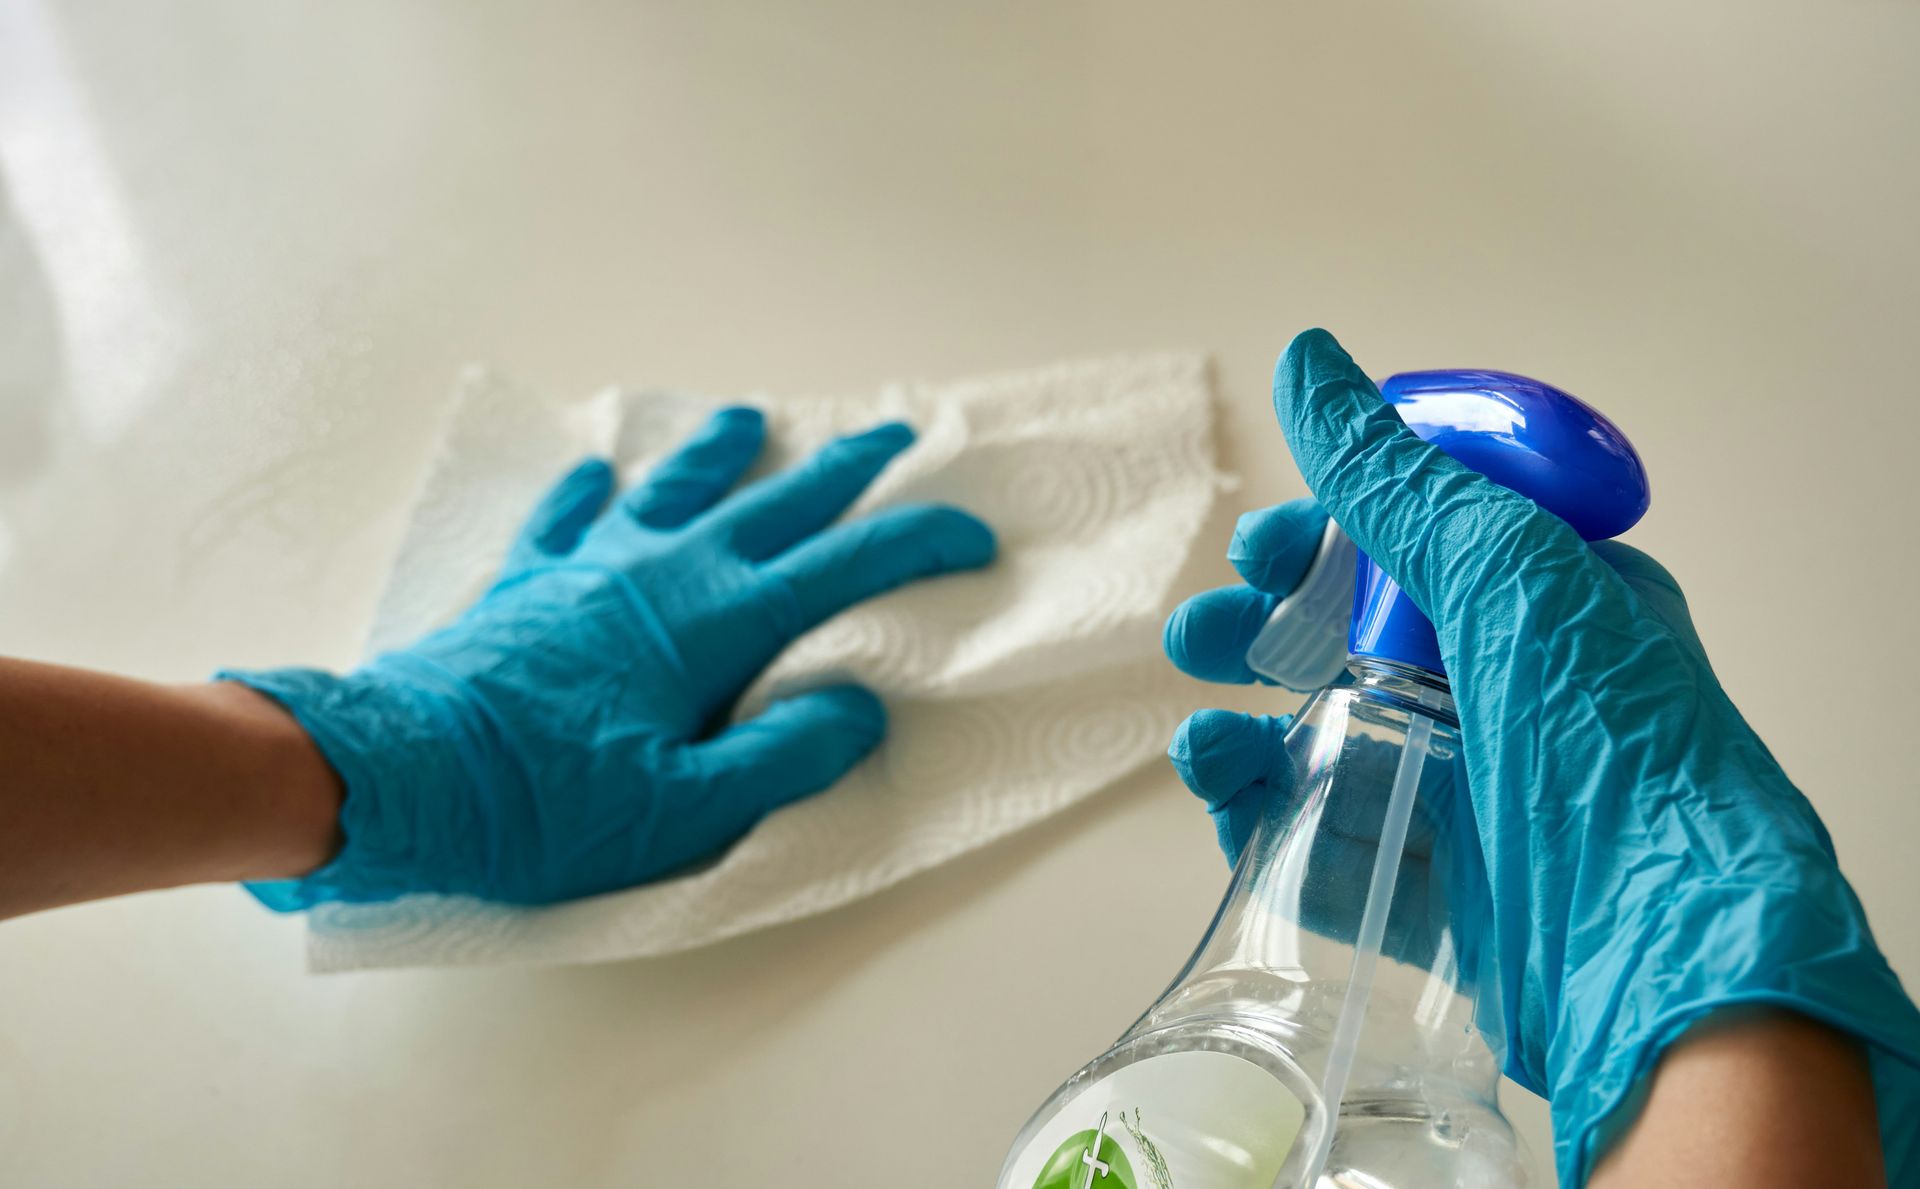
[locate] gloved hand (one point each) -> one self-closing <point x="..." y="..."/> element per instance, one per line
<point x="1648" y="861"/>
<point x="563" y="737"/>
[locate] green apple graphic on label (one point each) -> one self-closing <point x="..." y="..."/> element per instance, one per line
<point x="1089" y="1159"/>
<point x="1199" y="1119"/>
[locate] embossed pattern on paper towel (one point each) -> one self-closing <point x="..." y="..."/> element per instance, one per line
<point x="1012" y="692"/>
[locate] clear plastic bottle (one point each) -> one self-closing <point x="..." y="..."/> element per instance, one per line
<point x="1303" y="1042"/>
<point x="1338" y="1026"/>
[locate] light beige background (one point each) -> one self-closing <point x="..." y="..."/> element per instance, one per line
<point x="246" y="246"/>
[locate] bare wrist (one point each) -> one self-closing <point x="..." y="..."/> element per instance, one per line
<point x="286" y="796"/>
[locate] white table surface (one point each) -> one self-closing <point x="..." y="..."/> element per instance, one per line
<point x="244" y="249"/>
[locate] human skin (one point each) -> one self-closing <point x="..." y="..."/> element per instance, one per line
<point x="1762" y="1100"/>
<point x="115" y="785"/>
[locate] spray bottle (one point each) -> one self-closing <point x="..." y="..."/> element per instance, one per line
<point x="1339" y="1024"/>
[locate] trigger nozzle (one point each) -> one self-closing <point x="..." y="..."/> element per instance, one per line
<point x="1303" y="645"/>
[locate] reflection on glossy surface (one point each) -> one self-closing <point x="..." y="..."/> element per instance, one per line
<point x="30" y="357"/>
<point x="1524" y="434"/>
<point x="334" y="208"/>
<point x="71" y="219"/>
<point x="1481" y="411"/>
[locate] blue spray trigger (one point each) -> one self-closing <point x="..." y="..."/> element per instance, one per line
<point x="1525" y="435"/>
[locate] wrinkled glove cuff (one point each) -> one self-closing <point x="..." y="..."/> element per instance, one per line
<point x="398" y="721"/>
<point x="1816" y="958"/>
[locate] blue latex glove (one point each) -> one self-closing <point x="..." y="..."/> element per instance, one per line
<point x="566" y="735"/>
<point x="1648" y="860"/>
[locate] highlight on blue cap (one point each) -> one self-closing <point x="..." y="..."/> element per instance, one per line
<point x="1524" y="434"/>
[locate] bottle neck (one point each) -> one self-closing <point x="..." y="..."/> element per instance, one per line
<point x="1412" y="688"/>
<point x="1281" y="953"/>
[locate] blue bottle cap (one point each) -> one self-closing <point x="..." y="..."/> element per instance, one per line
<point x="1526" y="435"/>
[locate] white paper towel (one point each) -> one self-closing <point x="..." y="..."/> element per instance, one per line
<point x="1012" y="692"/>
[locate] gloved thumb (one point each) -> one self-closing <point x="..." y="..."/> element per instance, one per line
<point x="1657" y="588"/>
<point x="1445" y="532"/>
<point x="795" y="747"/>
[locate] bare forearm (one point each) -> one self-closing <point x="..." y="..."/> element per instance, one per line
<point x="109" y="785"/>
<point x="1758" y="1101"/>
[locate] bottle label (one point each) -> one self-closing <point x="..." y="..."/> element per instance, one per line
<point x="1197" y="1120"/>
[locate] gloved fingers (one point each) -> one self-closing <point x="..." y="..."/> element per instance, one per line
<point x="1442" y="530"/>
<point x="1657" y="588"/>
<point x="1272" y="547"/>
<point x="1441" y="887"/>
<point x="1374" y="763"/>
<point x="1339" y="876"/>
<point x="704" y="468"/>
<point x="1208" y="635"/>
<point x="1219" y="753"/>
<point x="1234" y="763"/>
<point x="850" y="563"/>
<point x="782" y="510"/>
<point x="561" y="517"/>
<point x="795" y="747"/>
